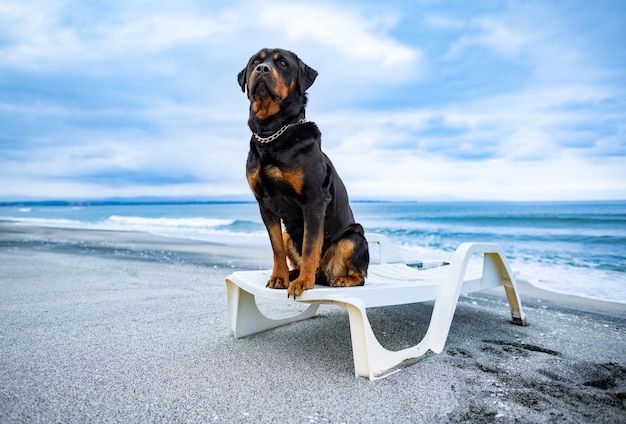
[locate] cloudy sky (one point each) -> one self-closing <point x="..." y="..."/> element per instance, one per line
<point x="514" y="100"/>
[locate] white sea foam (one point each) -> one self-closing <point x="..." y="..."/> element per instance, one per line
<point x="495" y="230"/>
<point x="206" y="229"/>
<point x="559" y="278"/>
<point x="47" y="222"/>
<point x="545" y="257"/>
<point x="138" y="222"/>
<point x="585" y="282"/>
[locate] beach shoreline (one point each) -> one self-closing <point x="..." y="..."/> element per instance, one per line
<point x="130" y="327"/>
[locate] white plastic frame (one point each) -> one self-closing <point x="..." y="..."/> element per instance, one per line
<point x="389" y="283"/>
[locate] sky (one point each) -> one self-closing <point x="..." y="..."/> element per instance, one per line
<point x="422" y="99"/>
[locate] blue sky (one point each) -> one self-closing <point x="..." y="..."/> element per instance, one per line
<point x="509" y="100"/>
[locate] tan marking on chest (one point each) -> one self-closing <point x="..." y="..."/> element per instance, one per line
<point x="292" y="177"/>
<point x="253" y="178"/>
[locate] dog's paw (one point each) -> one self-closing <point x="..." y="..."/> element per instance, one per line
<point x="298" y="286"/>
<point x="347" y="281"/>
<point x="278" y="282"/>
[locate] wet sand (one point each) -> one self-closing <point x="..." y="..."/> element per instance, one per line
<point x="101" y="326"/>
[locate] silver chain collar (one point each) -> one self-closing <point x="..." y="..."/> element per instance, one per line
<point x="270" y="138"/>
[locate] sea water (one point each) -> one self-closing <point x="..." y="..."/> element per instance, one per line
<point x="567" y="247"/>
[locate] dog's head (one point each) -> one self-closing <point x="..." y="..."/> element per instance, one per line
<point x="274" y="78"/>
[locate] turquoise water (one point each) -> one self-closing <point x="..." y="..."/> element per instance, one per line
<point x="569" y="247"/>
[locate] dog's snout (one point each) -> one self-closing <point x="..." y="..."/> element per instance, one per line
<point x="263" y="68"/>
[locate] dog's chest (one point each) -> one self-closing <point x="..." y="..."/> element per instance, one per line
<point x="269" y="179"/>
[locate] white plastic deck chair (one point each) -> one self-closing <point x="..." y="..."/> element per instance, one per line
<point x="392" y="282"/>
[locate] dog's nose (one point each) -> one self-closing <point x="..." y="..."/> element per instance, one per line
<point x="263" y="69"/>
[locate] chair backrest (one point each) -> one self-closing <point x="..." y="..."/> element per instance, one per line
<point x="387" y="251"/>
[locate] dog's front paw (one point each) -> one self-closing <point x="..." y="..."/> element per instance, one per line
<point x="298" y="286"/>
<point x="278" y="281"/>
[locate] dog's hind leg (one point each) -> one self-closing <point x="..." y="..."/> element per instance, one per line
<point x="345" y="263"/>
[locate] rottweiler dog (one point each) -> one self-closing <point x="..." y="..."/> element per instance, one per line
<point x="295" y="183"/>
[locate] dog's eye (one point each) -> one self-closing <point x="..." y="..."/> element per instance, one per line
<point x="282" y="63"/>
<point x="256" y="61"/>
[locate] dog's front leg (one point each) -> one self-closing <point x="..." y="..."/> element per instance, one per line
<point x="280" y="273"/>
<point x="311" y="251"/>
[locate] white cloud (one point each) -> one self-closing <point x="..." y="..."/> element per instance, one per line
<point x="498" y="35"/>
<point x="345" y="44"/>
<point x="159" y="32"/>
<point x="344" y="30"/>
<point x="35" y="35"/>
<point x="42" y="38"/>
<point x="428" y="176"/>
<point x="558" y="128"/>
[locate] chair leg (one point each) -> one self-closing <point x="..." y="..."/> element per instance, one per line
<point x="245" y="318"/>
<point x="495" y="264"/>
<point x="446" y="301"/>
<point x="496" y="272"/>
<point x="371" y="359"/>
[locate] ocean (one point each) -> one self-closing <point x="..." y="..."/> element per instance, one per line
<point x="565" y="247"/>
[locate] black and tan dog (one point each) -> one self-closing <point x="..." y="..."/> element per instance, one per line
<point x="295" y="183"/>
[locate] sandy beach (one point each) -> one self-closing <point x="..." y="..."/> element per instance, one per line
<point x="102" y="326"/>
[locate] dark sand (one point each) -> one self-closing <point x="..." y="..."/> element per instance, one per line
<point x="100" y="326"/>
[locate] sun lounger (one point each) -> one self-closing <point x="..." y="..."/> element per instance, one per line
<point x="390" y="282"/>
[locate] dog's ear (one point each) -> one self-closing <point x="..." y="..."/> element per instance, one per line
<point x="241" y="78"/>
<point x="306" y="76"/>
